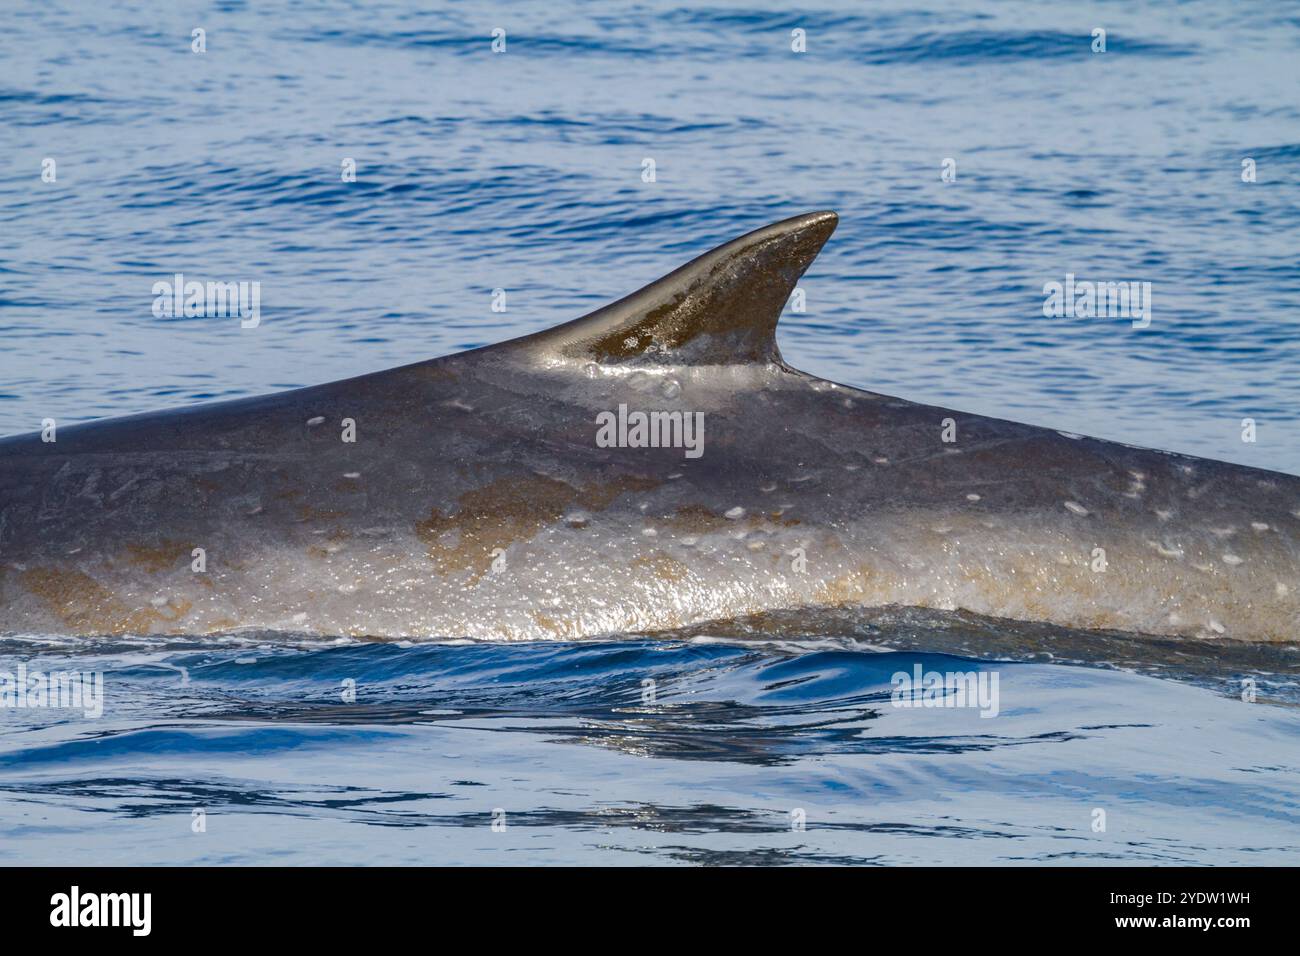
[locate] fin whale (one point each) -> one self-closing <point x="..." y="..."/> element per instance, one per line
<point x="653" y="465"/>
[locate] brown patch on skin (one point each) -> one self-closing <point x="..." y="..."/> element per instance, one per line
<point x="308" y="513"/>
<point x="674" y="331"/>
<point x="87" y="607"/>
<point x="851" y="587"/>
<point x="505" y="511"/>
<point x="664" y="566"/>
<point x="348" y="485"/>
<point x="600" y="497"/>
<point x="160" y="557"/>
<point x="696" y="519"/>
<point x="334" y="536"/>
<point x="548" y="624"/>
<point x="179" y="610"/>
<point x="494" y="516"/>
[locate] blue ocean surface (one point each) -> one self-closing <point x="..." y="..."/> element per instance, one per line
<point x="547" y="753"/>
<point x="523" y="171"/>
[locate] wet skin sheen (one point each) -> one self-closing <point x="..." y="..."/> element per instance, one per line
<point x="475" y="499"/>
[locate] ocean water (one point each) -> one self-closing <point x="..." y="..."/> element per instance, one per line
<point x="522" y="171"/>
<point x="746" y="753"/>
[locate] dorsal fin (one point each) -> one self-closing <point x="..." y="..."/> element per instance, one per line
<point x="719" y="309"/>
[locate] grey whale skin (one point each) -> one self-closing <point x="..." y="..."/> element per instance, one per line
<point x="475" y="500"/>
